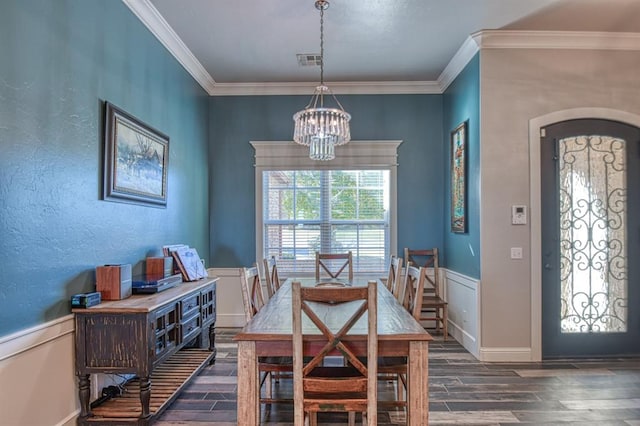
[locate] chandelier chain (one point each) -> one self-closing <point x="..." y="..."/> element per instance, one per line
<point x="319" y="127"/>
<point x="322" y="46"/>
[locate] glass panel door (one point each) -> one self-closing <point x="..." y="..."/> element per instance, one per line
<point x="590" y="230"/>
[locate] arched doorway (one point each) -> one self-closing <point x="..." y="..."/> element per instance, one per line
<point x="536" y="171"/>
<point x="590" y="182"/>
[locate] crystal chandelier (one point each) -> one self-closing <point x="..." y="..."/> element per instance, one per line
<point x="316" y="126"/>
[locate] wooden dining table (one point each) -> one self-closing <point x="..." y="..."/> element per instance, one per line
<point x="269" y="333"/>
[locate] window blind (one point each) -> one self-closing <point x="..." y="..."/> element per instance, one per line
<point x="330" y="211"/>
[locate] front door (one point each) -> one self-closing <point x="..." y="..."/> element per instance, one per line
<point x="590" y="181"/>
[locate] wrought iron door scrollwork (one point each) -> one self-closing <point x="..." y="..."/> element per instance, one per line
<point x="593" y="258"/>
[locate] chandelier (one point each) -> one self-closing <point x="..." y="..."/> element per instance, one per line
<point x="316" y="126"/>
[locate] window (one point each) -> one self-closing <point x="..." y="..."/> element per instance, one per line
<point x="347" y="204"/>
<point x="593" y="236"/>
<point x="331" y="211"/>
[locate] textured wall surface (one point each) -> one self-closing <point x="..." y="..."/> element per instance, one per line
<point x="461" y="102"/>
<point x="60" y="61"/>
<point x="518" y="85"/>
<point x="234" y="121"/>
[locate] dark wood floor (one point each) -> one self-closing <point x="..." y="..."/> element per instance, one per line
<point x="462" y="391"/>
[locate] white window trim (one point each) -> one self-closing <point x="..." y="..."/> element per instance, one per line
<point x="358" y="155"/>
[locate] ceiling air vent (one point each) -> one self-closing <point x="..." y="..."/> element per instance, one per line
<point x="309" y="59"/>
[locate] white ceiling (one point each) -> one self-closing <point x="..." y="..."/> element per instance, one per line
<point x="240" y="42"/>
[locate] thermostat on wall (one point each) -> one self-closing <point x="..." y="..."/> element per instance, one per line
<point x="518" y="215"/>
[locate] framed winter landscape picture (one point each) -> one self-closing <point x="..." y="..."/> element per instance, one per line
<point x="135" y="160"/>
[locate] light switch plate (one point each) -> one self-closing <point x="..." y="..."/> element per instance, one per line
<point x="516" y="252"/>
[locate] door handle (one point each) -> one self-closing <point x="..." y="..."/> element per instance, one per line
<point x="547" y="266"/>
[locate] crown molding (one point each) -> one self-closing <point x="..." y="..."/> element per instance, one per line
<point x="338" y="88"/>
<point x="146" y="12"/>
<point x="503" y="39"/>
<point x="465" y="53"/>
<point x="160" y="28"/>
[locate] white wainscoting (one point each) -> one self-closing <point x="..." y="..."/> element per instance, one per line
<point x="504" y="354"/>
<point x="229" y="307"/>
<point x="463" y="296"/>
<point x="37" y="373"/>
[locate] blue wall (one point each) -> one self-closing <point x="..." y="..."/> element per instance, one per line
<point x="60" y="60"/>
<point x="461" y="102"/>
<point x="234" y="121"/>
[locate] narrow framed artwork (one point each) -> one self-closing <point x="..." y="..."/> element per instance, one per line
<point x="459" y="179"/>
<point x="136" y="160"/>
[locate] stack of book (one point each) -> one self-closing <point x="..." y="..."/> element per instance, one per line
<point x="187" y="261"/>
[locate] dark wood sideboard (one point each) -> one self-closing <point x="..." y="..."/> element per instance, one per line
<point x="163" y="339"/>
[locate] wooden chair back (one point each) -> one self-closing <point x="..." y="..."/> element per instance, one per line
<point x="434" y="307"/>
<point x="334" y="264"/>
<point x="351" y="388"/>
<point x="426" y="258"/>
<point x="394" y="279"/>
<point x="252" y="298"/>
<point x="271" y="275"/>
<point x="413" y="290"/>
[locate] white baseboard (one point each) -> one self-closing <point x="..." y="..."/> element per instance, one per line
<point x="468" y="341"/>
<point x="230" y="320"/>
<point x="505" y="354"/>
<point x="70" y="420"/>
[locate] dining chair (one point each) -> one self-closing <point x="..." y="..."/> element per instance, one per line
<point x="268" y="367"/>
<point x="251" y="289"/>
<point x="318" y="388"/>
<point x="271" y="275"/>
<point x="334" y="264"/>
<point x="414" y="283"/>
<point x="434" y="307"/>
<point x="394" y="277"/>
<point x="396" y="367"/>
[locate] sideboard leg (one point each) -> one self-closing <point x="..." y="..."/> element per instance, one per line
<point x="212" y="342"/>
<point x="145" y="395"/>
<point x="84" y="393"/>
